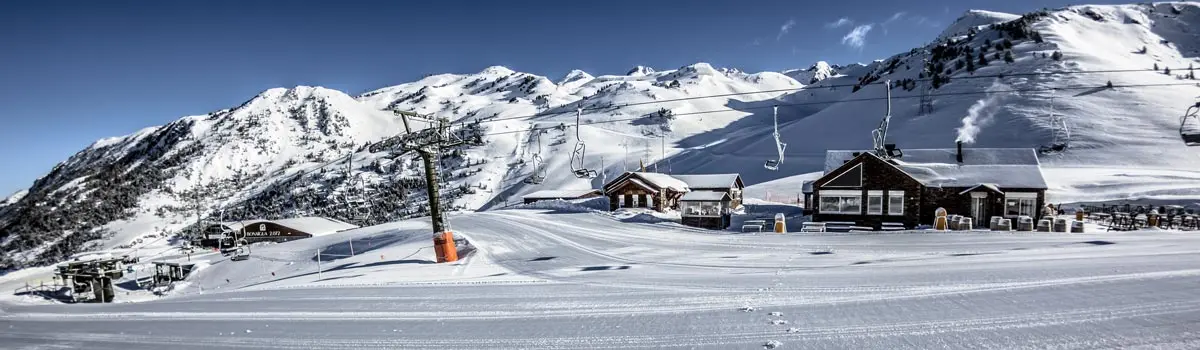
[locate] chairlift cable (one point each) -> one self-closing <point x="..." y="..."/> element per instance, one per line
<point x="866" y="99"/>
<point x="811" y="86"/>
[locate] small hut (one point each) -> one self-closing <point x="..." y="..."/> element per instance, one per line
<point x="705" y="209"/>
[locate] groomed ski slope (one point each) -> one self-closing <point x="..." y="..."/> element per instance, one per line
<point x="561" y="279"/>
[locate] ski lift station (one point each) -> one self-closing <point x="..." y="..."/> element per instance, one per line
<point x="226" y="234"/>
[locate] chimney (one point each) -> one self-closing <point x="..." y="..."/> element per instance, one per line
<point x="959" y="155"/>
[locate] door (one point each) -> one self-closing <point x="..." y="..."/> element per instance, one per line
<point x="979" y="212"/>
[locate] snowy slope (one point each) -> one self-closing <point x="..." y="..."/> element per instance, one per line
<point x="553" y="280"/>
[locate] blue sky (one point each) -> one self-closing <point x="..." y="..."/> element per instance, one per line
<point x="75" y="72"/>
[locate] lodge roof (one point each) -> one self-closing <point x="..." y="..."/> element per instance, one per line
<point x="1004" y="167"/>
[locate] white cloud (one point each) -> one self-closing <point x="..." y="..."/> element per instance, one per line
<point x="841" y="22"/>
<point x="895" y="17"/>
<point x="857" y="38"/>
<point x="756" y="42"/>
<point x="785" y="28"/>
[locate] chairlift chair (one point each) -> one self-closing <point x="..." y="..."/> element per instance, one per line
<point x="539" y="174"/>
<point x="1189" y="126"/>
<point x="580" y="152"/>
<point x="773" y="164"/>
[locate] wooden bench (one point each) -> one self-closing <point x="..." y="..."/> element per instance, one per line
<point x="892" y="226"/>
<point x="812" y="227"/>
<point x="757" y="225"/>
<point x="839" y="226"/>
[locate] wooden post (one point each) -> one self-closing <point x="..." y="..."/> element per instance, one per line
<point x="319" y="265"/>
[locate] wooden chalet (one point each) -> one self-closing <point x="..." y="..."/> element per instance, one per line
<point x="547" y="195"/>
<point x="662" y="192"/>
<point x="870" y="191"/>
<point x="656" y="191"/>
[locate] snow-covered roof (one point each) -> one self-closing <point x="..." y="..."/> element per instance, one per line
<point x="565" y="194"/>
<point x="1003" y="167"/>
<point x="660" y="180"/>
<point x="316" y="226"/>
<point x="708" y="180"/>
<point x="704" y="196"/>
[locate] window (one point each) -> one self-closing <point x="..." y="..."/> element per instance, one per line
<point x="875" y="202"/>
<point x="697" y="208"/>
<point x="895" y="203"/>
<point x="1020" y="204"/>
<point x="841" y="203"/>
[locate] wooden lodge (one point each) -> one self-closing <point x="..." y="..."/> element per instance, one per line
<point x="228" y="234"/>
<point x="866" y="190"/>
<point x="706" y="199"/>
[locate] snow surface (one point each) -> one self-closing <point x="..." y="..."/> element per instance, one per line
<point x="707" y="180"/>
<point x="542" y="279"/>
<point x="568" y="194"/>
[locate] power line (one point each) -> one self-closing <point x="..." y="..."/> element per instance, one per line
<point x="962" y="93"/>
<point x="806" y="87"/>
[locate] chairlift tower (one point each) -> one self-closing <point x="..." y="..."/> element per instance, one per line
<point x="926" y="105"/>
<point x="428" y="143"/>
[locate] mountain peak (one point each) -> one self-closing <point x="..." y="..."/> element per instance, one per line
<point x="497" y="70"/>
<point x="575" y="75"/>
<point x="640" y="70"/>
<point x="974" y="19"/>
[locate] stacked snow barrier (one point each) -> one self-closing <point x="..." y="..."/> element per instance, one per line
<point x="964" y="224"/>
<point x="994" y="224"/>
<point x="1060" y="225"/>
<point x="1077" y="227"/>
<point x="1004" y="225"/>
<point x="1024" y="223"/>
<point x="1043" y="225"/>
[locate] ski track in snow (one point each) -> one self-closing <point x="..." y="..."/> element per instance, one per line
<point x="683" y="289"/>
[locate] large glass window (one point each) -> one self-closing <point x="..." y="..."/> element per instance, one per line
<point x="875" y="204"/>
<point x="1019" y="206"/>
<point x="841" y="204"/>
<point x="697" y="208"/>
<point x="895" y="203"/>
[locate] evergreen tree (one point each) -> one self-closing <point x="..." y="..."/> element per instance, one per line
<point x="1008" y="57"/>
<point x="970" y="65"/>
<point x="982" y="60"/>
<point x="1109" y="85"/>
<point x="1008" y="44"/>
<point x="999" y="46"/>
<point x="1057" y="56"/>
<point x="1156" y="66"/>
<point x="1167" y="70"/>
<point x="996" y="56"/>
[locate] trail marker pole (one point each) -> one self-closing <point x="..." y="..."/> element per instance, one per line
<point x="352" y="247"/>
<point x="319" y="265"/>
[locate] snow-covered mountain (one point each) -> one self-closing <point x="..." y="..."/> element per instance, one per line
<point x="300" y="151"/>
<point x="818" y="72"/>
